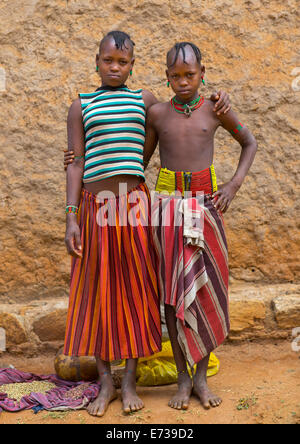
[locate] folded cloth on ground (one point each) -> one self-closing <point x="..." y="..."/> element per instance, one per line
<point x="65" y="396"/>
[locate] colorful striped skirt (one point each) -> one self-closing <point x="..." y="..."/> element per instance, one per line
<point x="193" y="263"/>
<point x="114" y="304"/>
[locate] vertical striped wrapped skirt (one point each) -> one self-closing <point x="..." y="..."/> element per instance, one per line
<point x="114" y="304"/>
<point x="193" y="263"/>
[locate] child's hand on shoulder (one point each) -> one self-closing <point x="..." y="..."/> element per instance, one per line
<point x="222" y="102"/>
<point x="223" y="197"/>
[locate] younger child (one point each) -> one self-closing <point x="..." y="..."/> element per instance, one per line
<point x="193" y="268"/>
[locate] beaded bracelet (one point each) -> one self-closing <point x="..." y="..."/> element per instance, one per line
<point x="71" y="209"/>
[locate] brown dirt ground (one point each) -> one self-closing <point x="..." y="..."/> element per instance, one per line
<point x="266" y="374"/>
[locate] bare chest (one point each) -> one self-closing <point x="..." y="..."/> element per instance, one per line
<point x="182" y="127"/>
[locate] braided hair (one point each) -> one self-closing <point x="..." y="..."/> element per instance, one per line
<point x="120" y="39"/>
<point x="181" y="47"/>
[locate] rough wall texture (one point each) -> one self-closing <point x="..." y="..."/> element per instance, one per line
<point x="250" y="49"/>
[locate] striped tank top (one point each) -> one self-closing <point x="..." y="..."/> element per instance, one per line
<point x="114" y="127"/>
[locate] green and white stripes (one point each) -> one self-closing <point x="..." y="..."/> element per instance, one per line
<point x="114" y="125"/>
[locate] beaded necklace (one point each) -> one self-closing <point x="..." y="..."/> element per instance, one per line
<point x="187" y="108"/>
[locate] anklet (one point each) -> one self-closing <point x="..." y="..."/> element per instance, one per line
<point x="182" y="372"/>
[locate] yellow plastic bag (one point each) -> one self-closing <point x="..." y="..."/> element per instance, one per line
<point x="160" y="369"/>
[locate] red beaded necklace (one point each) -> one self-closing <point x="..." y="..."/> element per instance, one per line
<point x="187" y="108"/>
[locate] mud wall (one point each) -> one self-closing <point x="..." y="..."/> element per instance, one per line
<point x="250" y="49"/>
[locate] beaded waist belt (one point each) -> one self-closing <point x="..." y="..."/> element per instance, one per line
<point x="170" y="181"/>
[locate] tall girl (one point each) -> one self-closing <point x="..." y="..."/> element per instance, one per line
<point x="114" y="303"/>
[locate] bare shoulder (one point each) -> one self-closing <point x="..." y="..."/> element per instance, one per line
<point x="76" y="105"/>
<point x="75" y="109"/>
<point x="209" y="106"/>
<point x="149" y="98"/>
<point x="157" y="110"/>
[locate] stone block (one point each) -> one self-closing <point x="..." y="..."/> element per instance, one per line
<point x="287" y="310"/>
<point x="52" y="326"/>
<point x="14" y="330"/>
<point x="245" y="314"/>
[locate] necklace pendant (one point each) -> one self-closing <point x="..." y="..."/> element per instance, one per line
<point x="187" y="110"/>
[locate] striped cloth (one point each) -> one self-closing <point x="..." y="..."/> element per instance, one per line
<point x="114" y="304"/>
<point x="55" y="399"/>
<point x="114" y="126"/>
<point x="193" y="266"/>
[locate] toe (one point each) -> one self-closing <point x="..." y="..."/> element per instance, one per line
<point x="171" y="403"/>
<point x="215" y="402"/>
<point x="91" y="409"/>
<point x="138" y="404"/>
<point x="185" y="405"/>
<point x="206" y="404"/>
<point x="100" y="410"/>
<point x="141" y="405"/>
<point x="126" y="409"/>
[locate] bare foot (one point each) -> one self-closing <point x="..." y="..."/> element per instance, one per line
<point x="106" y="395"/>
<point x="181" y="400"/>
<point x="131" y="401"/>
<point x="207" y="398"/>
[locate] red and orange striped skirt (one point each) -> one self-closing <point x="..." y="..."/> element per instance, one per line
<point x="114" y="304"/>
<point x="189" y="235"/>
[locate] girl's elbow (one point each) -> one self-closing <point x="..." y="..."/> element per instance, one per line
<point x="255" y="145"/>
<point x="251" y="144"/>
